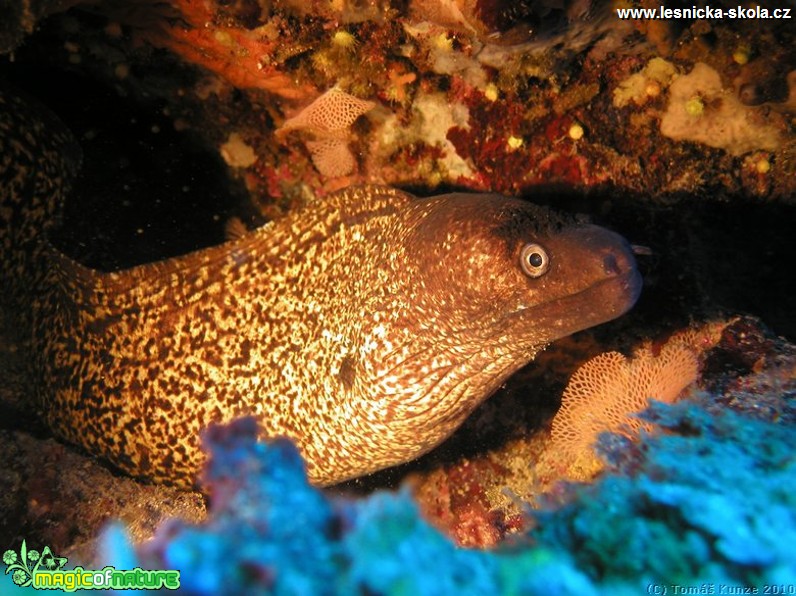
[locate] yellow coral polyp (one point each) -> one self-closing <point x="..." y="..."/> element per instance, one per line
<point x="323" y="62"/>
<point x="763" y="166"/>
<point x="741" y="54"/>
<point x="514" y="142"/>
<point x="653" y="89"/>
<point x="491" y="92"/>
<point x="443" y="42"/>
<point x="223" y="37"/>
<point x="395" y="94"/>
<point x="576" y="132"/>
<point x="695" y="106"/>
<point x="344" y="39"/>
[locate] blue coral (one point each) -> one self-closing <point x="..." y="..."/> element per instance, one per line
<point x="708" y="502"/>
<point x="269" y="528"/>
<point x="712" y="501"/>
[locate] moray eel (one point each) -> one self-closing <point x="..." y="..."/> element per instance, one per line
<point x="365" y="326"/>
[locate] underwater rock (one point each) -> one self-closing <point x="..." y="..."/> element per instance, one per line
<point x="56" y="496"/>
<point x="503" y="22"/>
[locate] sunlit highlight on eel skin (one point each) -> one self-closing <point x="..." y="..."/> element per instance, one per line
<point x="365" y="326"/>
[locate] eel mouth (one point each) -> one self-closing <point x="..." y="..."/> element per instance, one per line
<point x="621" y="291"/>
<point x="598" y="303"/>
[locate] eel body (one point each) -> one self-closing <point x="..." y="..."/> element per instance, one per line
<point x="366" y="326"/>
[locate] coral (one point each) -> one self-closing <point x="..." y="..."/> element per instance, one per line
<point x="643" y="85"/>
<point x="685" y="517"/>
<point x="456" y="501"/>
<point x="338" y="56"/>
<point x="328" y="119"/>
<point x="700" y="109"/>
<point x="488" y="140"/>
<point x="274" y="532"/>
<point x="576" y="131"/>
<point x="399" y="80"/>
<point x="607" y="392"/>
<point x="402" y="52"/>
<point x="446" y="59"/>
<point x="709" y="502"/>
<point x="504" y="22"/>
<point x="445" y="13"/>
<point x="344" y="11"/>
<point x="435" y="117"/>
<point x="432" y="116"/>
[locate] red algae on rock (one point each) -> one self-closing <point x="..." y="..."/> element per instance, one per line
<point x="486" y="142"/>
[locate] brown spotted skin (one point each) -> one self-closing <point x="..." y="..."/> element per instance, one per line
<point x="366" y="325"/>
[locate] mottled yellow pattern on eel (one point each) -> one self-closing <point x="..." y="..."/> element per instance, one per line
<point x="366" y="326"/>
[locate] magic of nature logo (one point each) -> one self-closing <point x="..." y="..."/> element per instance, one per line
<point x="44" y="570"/>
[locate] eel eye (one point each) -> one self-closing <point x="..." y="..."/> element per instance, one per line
<point x="534" y="260"/>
